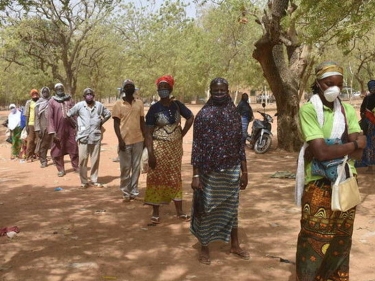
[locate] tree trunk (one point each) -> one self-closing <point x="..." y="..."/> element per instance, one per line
<point x="283" y="62"/>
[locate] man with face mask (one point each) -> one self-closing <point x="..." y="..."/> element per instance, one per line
<point x="91" y="115"/>
<point x="41" y="126"/>
<point x="128" y="117"/>
<point x="32" y="138"/>
<point x="62" y="130"/>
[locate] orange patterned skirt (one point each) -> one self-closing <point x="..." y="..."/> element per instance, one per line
<point x="164" y="183"/>
<point x="325" y="239"/>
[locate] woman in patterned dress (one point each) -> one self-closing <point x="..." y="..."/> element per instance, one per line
<point x="325" y="238"/>
<point x="164" y="144"/>
<point x="219" y="172"/>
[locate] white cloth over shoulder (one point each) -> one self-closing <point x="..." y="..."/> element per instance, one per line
<point x="338" y="129"/>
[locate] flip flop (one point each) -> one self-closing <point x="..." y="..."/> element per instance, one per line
<point x="184" y="217"/>
<point x="204" y="259"/>
<point x="241" y="254"/>
<point x="155" y="220"/>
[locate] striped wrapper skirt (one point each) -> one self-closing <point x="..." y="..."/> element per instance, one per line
<point x="215" y="208"/>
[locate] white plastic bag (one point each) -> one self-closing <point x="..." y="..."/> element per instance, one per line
<point x="144" y="161"/>
<point x="24" y="134"/>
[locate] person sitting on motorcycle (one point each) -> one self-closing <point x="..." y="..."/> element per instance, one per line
<point x="246" y="113"/>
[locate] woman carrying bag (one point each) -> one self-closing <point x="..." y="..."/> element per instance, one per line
<point x="331" y="131"/>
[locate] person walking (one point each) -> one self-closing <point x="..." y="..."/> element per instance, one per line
<point x="164" y="145"/>
<point x="14" y="126"/>
<point x="331" y="131"/>
<point x="41" y="126"/>
<point x="368" y="113"/>
<point x="32" y="137"/>
<point x="63" y="130"/>
<point x="91" y="115"/>
<point x="128" y="122"/>
<point x="219" y="172"/>
<point x="246" y="113"/>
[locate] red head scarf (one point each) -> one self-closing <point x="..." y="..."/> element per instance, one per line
<point x="167" y="79"/>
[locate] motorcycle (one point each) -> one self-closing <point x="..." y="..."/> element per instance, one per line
<point x="260" y="138"/>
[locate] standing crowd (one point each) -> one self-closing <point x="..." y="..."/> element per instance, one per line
<point x="329" y="127"/>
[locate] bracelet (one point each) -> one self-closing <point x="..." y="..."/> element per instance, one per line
<point x="195" y="176"/>
<point x="355" y="145"/>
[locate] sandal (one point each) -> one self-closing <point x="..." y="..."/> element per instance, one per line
<point x="204" y="259"/>
<point x="155" y="220"/>
<point x="184" y="217"/>
<point x="241" y="254"/>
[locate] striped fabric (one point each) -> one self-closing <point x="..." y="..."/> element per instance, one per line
<point x="220" y="198"/>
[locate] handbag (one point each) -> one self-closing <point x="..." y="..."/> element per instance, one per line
<point x="370" y="116"/>
<point x="345" y="194"/>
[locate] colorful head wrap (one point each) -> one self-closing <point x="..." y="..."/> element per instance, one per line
<point x="327" y="69"/>
<point x="371" y="84"/>
<point x="167" y="79"/>
<point x="34" y="93"/>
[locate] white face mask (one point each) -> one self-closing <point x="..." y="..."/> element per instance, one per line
<point x="331" y="93"/>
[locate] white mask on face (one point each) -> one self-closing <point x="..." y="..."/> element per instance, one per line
<point x="331" y="93"/>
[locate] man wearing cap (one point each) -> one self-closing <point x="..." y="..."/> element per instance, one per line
<point x="63" y="130"/>
<point x="128" y="116"/>
<point x="91" y="115"/>
<point x="29" y="113"/>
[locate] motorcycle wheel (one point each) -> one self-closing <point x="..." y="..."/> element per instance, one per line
<point x="262" y="146"/>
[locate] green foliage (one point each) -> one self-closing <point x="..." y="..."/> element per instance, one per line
<point x="100" y="43"/>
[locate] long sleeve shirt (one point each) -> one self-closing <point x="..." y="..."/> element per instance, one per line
<point x="89" y="121"/>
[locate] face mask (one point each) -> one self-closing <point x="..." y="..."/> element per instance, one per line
<point x="163" y="93"/>
<point x="219" y="100"/>
<point x="89" y="99"/>
<point x="45" y="94"/>
<point x="129" y="91"/>
<point x="331" y="93"/>
<point x="60" y="93"/>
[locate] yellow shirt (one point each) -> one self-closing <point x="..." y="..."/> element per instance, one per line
<point x="129" y="115"/>
<point x="32" y="113"/>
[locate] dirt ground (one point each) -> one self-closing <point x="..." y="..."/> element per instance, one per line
<point x="79" y="235"/>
